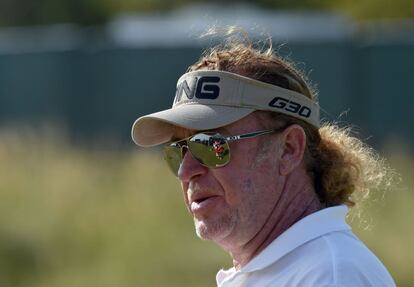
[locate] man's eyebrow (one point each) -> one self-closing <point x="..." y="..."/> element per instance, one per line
<point x="183" y="134"/>
<point x="223" y="130"/>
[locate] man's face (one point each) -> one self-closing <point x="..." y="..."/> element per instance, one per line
<point x="231" y="204"/>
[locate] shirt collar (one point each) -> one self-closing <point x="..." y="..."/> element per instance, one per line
<point x="310" y="227"/>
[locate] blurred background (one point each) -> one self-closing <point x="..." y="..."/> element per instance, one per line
<point x="80" y="205"/>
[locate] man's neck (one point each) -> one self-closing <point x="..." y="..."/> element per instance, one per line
<point x="298" y="200"/>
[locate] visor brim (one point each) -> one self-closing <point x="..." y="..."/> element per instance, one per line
<point x="158" y="128"/>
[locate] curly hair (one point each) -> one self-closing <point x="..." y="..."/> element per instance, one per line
<point x="343" y="168"/>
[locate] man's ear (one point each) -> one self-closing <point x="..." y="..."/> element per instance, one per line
<point x="293" y="144"/>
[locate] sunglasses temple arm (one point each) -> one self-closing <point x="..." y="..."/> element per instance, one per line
<point x="251" y="135"/>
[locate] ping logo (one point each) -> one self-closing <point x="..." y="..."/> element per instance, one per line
<point x="201" y="88"/>
<point x="290" y="106"/>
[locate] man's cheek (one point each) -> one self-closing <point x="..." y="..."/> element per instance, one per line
<point x="240" y="192"/>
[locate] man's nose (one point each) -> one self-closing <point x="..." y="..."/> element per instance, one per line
<point x="190" y="167"/>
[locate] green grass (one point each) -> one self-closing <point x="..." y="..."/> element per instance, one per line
<point x="85" y="217"/>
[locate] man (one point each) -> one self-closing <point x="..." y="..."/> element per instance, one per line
<point x="261" y="177"/>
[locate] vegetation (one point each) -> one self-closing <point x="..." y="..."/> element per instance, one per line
<point x="92" y="12"/>
<point x="74" y="217"/>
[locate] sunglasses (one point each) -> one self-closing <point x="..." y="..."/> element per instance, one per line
<point x="210" y="149"/>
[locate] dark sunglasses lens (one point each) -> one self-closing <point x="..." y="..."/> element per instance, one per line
<point x="172" y="155"/>
<point x="210" y="150"/>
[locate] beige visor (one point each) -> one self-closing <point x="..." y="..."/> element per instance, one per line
<point x="211" y="99"/>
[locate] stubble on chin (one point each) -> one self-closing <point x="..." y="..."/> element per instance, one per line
<point x="215" y="230"/>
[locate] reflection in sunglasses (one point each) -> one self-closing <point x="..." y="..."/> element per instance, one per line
<point x="209" y="149"/>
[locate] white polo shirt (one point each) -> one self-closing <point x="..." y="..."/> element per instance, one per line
<point x="318" y="251"/>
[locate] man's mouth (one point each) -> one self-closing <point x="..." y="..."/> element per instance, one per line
<point x="200" y="196"/>
<point x="203" y="204"/>
<point x="201" y="199"/>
